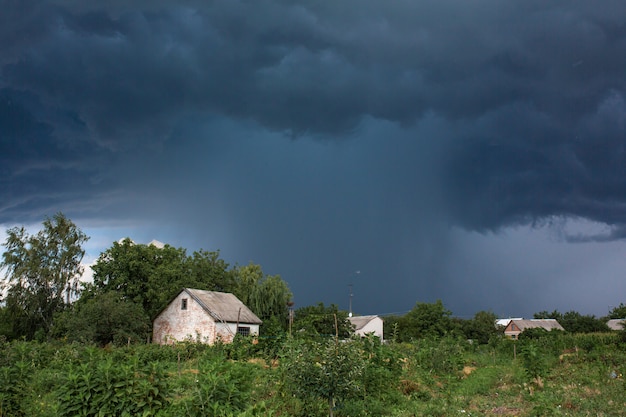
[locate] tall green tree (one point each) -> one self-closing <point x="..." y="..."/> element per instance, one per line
<point x="144" y="274"/>
<point x="102" y="320"/>
<point x="151" y="276"/>
<point x="618" y="312"/>
<point x="482" y="327"/>
<point x="555" y="314"/>
<point x="206" y="270"/>
<point x="41" y="273"/>
<point x="426" y="320"/>
<point x="266" y="295"/>
<point x="574" y="322"/>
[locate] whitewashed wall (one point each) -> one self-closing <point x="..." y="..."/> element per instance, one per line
<point x="373" y="326"/>
<point x="194" y="323"/>
<point x="175" y="324"/>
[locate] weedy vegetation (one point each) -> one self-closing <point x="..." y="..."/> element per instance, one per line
<point x="543" y="375"/>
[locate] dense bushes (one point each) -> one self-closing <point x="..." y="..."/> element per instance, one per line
<point x="105" y="388"/>
<point x="315" y="377"/>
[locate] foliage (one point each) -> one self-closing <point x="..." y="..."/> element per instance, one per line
<point x="41" y="273"/>
<point x="575" y="322"/>
<point x="546" y="315"/>
<point x="219" y="388"/>
<point x="535" y="333"/>
<point x="151" y="276"/>
<point x="144" y="274"/>
<point x="426" y="320"/>
<point x="205" y="270"/>
<point x="14" y="381"/>
<point x="382" y="367"/>
<point x="481" y="328"/>
<point x="272" y="338"/>
<point x="433" y="377"/>
<point x="441" y="356"/>
<point x="320" y="320"/>
<point x="266" y="295"/>
<point x="325" y="369"/>
<point x="106" y="388"/>
<point x="618" y="312"/>
<point x="533" y="360"/>
<point x="108" y="318"/>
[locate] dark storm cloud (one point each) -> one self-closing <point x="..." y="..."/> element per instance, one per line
<point x="533" y="92"/>
<point x="44" y="158"/>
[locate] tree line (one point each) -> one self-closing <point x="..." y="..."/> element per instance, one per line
<point x="434" y="320"/>
<point x="43" y="296"/>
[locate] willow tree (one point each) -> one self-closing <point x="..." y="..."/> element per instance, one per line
<point x="266" y="295"/>
<point x="41" y="273"/>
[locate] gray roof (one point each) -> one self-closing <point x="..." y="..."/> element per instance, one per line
<point x="548" y="324"/>
<point x="616" y="324"/>
<point x="223" y="306"/>
<point x="360" y="321"/>
<point x="505" y="322"/>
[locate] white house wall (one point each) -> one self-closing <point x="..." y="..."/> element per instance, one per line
<point x="227" y="330"/>
<point x="194" y="323"/>
<point x="175" y="324"/>
<point x="373" y="326"/>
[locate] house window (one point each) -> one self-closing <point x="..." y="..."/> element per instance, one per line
<point x="183" y="304"/>
<point x="243" y="331"/>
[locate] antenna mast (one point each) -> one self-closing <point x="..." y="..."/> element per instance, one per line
<point x="350" y="310"/>
<point x="350" y="285"/>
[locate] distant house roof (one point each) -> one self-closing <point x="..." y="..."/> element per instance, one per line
<point x="505" y="322"/>
<point x="156" y="244"/>
<point x="223" y="306"/>
<point x="548" y="324"/>
<point x="360" y="321"/>
<point x="616" y="324"/>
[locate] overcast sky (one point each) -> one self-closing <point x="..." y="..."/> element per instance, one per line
<point x="472" y="152"/>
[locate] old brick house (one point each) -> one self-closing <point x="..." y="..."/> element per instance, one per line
<point x="517" y="326"/>
<point x="204" y="316"/>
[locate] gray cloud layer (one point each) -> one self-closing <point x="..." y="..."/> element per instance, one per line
<point x="534" y="90"/>
<point x="401" y="116"/>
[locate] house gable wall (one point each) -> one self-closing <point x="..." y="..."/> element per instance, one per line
<point x="373" y="326"/>
<point x="193" y="323"/>
<point x="174" y="324"/>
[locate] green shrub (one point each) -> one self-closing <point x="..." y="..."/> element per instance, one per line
<point x="382" y="368"/>
<point x="533" y="360"/>
<point x="108" y="388"/>
<point x="443" y="356"/>
<point x="219" y="388"/>
<point x="327" y="370"/>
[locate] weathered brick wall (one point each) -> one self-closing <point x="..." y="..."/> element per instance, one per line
<point x="175" y="324"/>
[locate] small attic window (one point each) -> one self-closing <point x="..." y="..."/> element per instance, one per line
<point x="183" y="304"/>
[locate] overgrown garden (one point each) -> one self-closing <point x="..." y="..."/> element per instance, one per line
<point x="547" y="375"/>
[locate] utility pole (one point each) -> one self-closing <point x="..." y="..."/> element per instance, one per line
<point x="350" y="309"/>
<point x="290" y="306"/>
